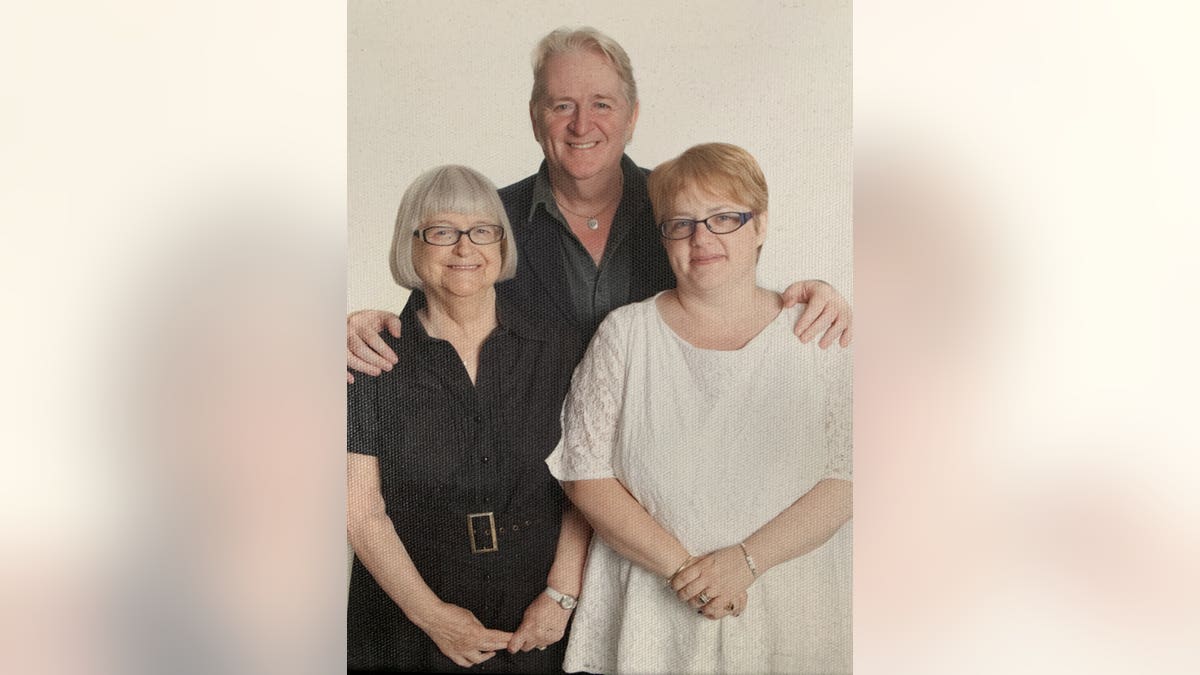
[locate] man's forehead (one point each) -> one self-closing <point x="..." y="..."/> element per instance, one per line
<point x="583" y="89"/>
<point x="571" y="93"/>
<point x="577" y="68"/>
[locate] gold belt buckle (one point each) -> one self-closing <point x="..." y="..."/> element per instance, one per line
<point x="492" y="544"/>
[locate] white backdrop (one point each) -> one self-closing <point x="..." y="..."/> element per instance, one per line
<point x="448" y="82"/>
<point x="132" y="127"/>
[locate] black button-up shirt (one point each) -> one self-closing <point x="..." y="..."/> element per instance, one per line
<point x="448" y="448"/>
<point x="595" y="289"/>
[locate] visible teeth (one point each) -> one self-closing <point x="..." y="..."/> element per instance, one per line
<point x="583" y="146"/>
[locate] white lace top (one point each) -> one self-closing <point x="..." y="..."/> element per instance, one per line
<point x="713" y="444"/>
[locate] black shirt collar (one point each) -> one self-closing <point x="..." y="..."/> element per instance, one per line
<point x="543" y="194"/>
<point x="510" y="318"/>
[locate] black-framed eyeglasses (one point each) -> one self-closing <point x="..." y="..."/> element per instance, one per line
<point x="720" y="223"/>
<point x="443" y="235"/>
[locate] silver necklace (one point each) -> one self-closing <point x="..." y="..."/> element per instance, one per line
<point x="593" y="222"/>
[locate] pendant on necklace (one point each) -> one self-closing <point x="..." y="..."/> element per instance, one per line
<point x="593" y="224"/>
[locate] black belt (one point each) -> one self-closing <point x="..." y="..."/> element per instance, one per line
<point x="484" y="530"/>
<point x="434" y="533"/>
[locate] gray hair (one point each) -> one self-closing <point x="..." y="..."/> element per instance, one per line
<point x="586" y="38"/>
<point x="447" y="189"/>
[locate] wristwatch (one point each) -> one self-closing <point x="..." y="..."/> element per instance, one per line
<point x="565" y="601"/>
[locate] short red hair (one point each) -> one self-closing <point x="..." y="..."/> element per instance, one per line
<point x="720" y="169"/>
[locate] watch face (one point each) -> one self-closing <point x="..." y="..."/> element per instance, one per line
<point x="567" y="602"/>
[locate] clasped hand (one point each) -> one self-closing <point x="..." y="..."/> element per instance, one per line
<point x="722" y="577"/>
<point x="460" y="636"/>
<point x="544" y="623"/>
<point x="467" y="642"/>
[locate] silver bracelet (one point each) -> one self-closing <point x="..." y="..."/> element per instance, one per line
<point x="749" y="560"/>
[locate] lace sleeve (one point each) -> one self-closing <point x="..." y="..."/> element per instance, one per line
<point x="837" y="375"/>
<point x="592" y="409"/>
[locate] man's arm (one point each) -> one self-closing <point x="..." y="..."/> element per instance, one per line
<point x="366" y="351"/>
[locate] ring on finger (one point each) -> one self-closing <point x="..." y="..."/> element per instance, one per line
<point x="704" y="598"/>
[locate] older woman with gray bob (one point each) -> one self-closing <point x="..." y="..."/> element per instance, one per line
<point x="465" y="549"/>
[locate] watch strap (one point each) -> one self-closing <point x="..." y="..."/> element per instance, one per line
<point x="565" y="601"/>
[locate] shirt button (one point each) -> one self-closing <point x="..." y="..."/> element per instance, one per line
<point x="485" y="458"/>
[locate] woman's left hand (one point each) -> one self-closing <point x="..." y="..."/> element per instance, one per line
<point x="721" y="576"/>
<point x="543" y="624"/>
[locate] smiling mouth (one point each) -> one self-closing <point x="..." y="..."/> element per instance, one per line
<point x="465" y="268"/>
<point x="706" y="260"/>
<point x="583" y="146"/>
